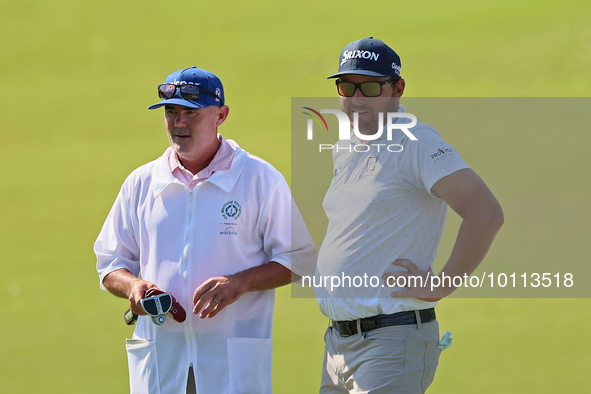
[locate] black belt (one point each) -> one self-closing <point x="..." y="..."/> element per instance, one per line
<point x="348" y="328"/>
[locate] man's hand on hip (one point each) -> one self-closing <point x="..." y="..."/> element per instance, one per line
<point x="415" y="281"/>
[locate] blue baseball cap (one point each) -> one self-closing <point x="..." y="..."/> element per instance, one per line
<point x="194" y="76"/>
<point x="368" y="56"/>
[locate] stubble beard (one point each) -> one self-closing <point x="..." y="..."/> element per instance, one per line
<point x="369" y="118"/>
<point x="368" y="126"/>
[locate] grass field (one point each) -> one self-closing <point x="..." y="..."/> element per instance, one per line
<point x="78" y="77"/>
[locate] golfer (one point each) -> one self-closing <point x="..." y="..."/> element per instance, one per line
<point x="218" y="229"/>
<point x="386" y="208"/>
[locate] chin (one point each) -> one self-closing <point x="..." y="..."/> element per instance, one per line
<point x="369" y="129"/>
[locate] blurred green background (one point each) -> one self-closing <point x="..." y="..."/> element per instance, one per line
<point x="78" y="77"/>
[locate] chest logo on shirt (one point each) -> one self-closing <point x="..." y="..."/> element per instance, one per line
<point x="370" y="168"/>
<point x="231" y="209"/>
<point x="371" y="163"/>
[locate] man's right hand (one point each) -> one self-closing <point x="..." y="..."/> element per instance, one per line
<point x="124" y="284"/>
<point x="137" y="293"/>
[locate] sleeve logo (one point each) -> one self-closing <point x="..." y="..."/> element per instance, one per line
<point x="442" y="153"/>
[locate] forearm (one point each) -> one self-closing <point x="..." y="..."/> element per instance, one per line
<point x="264" y="277"/>
<point x="120" y="282"/>
<point x="466" y="193"/>
<point x="474" y="239"/>
<point x="482" y="216"/>
<point x="124" y="284"/>
<point x="225" y="290"/>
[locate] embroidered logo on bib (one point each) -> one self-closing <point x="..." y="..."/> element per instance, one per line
<point x="231" y="209"/>
<point x="229" y="231"/>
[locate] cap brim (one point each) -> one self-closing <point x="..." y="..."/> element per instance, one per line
<point x="177" y="101"/>
<point x="359" y="72"/>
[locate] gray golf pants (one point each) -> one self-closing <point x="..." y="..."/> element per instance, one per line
<point x="395" y="359"/>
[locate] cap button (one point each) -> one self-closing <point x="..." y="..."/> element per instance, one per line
<point x="371" y="38"/>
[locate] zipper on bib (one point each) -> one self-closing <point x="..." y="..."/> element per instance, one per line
<point x="189" y="331"/>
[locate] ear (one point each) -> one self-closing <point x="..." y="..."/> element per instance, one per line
<point x="222" y="114"/>
<point x="399" y="90"/>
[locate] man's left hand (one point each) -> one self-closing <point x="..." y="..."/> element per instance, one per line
<point x="216" y="293"/>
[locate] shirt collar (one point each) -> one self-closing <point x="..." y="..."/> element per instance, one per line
<point x="224" y="179"/>
<point x="221" y="161"/>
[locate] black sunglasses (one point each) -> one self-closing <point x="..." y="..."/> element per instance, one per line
<point x="368" y="89"/>
<point x="188" y="91"/>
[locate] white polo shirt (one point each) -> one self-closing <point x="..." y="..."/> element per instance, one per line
<point x="178" y="238"/>
<point x="380" y="208"/>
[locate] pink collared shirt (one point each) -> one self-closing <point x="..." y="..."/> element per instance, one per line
<point x="221" y="161"/>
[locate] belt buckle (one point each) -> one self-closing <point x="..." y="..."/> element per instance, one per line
<point x="345" y="329"/>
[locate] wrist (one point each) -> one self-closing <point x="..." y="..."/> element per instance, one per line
<point x="241" y="281"/>
<point x="445" y="284"/>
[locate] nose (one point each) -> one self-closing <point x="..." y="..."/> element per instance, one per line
<point x="358" y="97"/>
<point x="180" y="119"/>
<point x="358" y="92"/>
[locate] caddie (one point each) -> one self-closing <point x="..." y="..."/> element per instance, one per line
<point x="218" y="229"/>
<point x="386" y="210"/>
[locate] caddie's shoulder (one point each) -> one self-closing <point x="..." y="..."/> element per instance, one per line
<point x="142" y="176"/>
<point x="258" y="168"/>
<point x="143" y="171"/>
